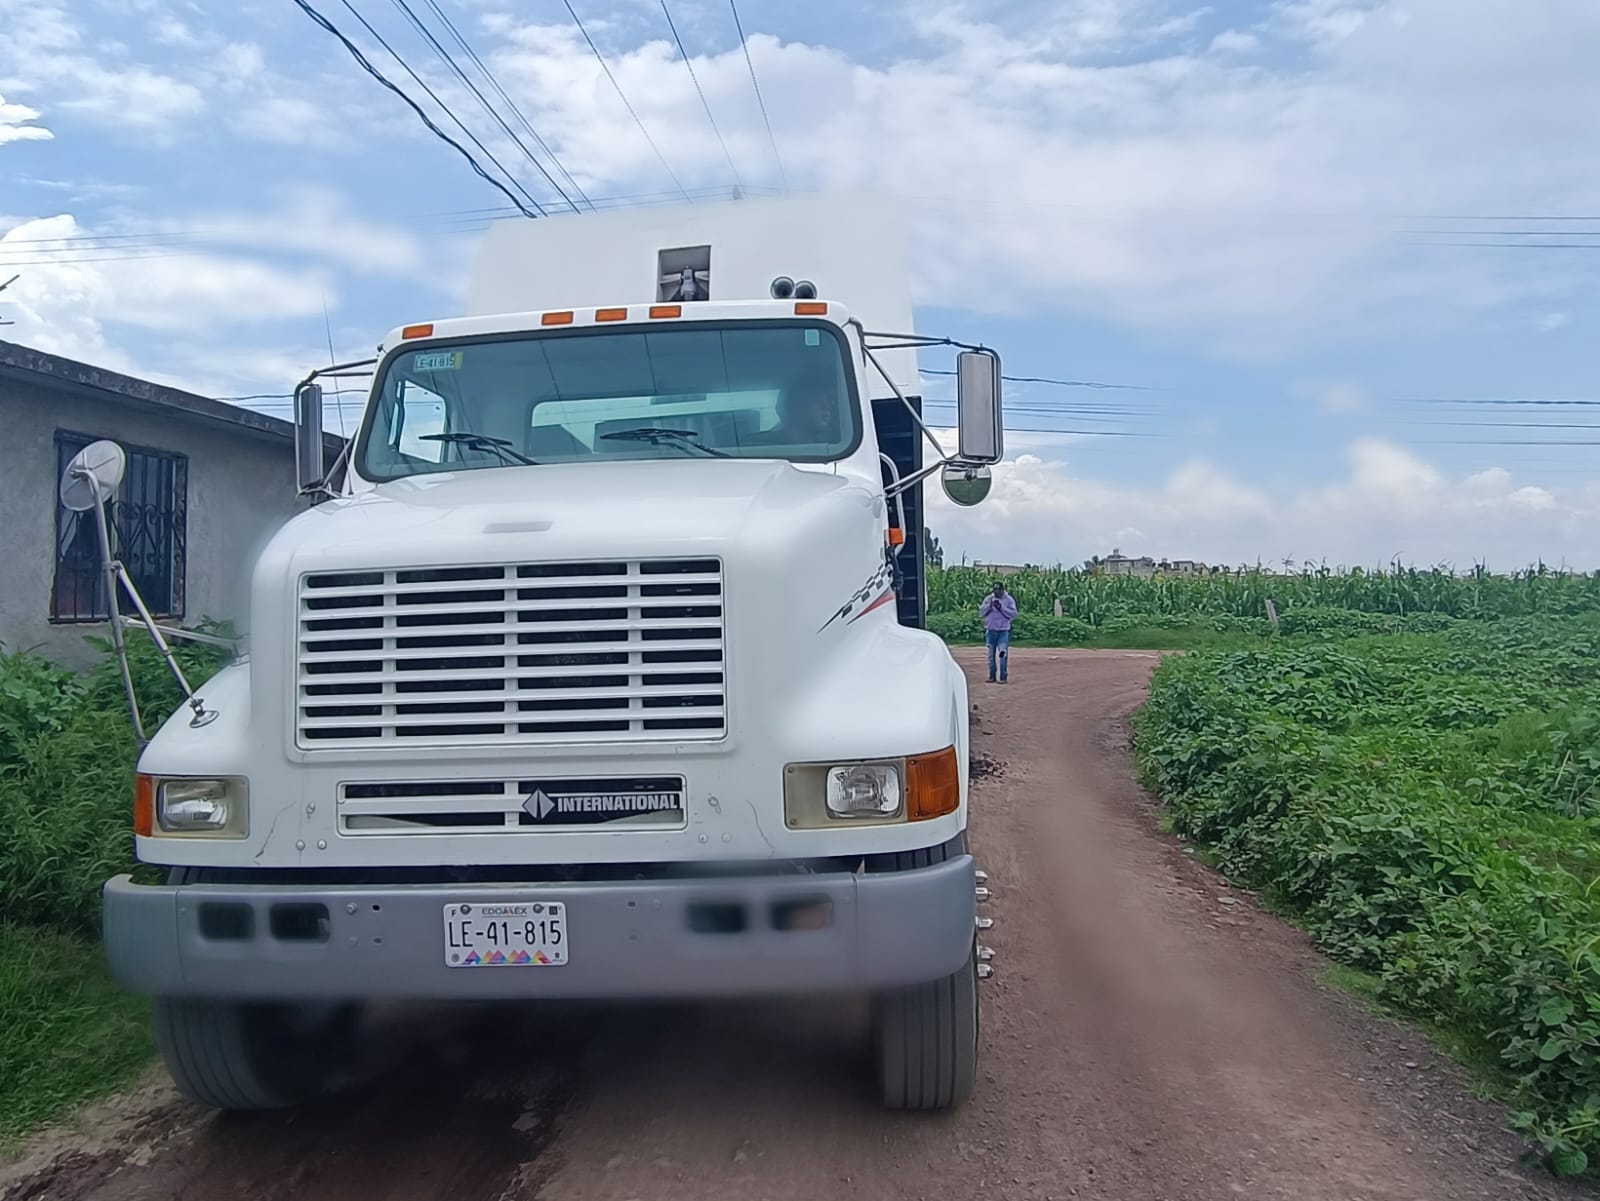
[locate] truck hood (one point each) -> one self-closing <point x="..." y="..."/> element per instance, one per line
<point x="553" y="511"/>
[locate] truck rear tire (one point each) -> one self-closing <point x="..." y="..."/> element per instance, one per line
<point x="247" y="1055"/>
<point x="925" y="1041"/>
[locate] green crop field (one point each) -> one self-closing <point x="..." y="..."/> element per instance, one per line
<point x="1096" y="600"/>
<point x="1428" y="805"/>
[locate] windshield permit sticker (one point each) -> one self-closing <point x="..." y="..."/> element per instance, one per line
<point x="439" y="360"/>
<point x="813" y="337"/>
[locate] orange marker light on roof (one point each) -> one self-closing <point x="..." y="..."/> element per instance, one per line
<point x="418" y="331"/>
<point x="811" y="308"/>
<point x="666" y="310"/>
<point x="563" y="318"/>
<point x="611" y="314"/>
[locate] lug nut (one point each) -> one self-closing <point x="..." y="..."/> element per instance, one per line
<point x="982" y="877"/>
<point x="985" y="971"/>
<point x="985" y="954"/>
<point x="982" y="894"/>
<point x="984" y="923"/>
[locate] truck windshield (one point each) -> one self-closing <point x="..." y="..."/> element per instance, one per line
<point x="773" y="390"/>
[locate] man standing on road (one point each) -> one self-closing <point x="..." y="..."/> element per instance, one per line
<point x="998" y="611"/>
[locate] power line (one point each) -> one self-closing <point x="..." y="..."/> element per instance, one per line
<point x="511" y="104"/>
<point x="450" y="62"/>
<point x="744" y="45"/>
<point x="706" y="104"/>
<point x="623" y="96"/>
<point x="1445" y="400"/>
<point x="1059" y="383"/>
<point x="448" y="111"/>
<point x="361" y="60"/>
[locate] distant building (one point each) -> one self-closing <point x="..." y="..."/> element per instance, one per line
<point x="206" y="483"/>
<point x="1143" y="567"/>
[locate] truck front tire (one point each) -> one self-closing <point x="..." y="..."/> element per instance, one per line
<point x="244" y="1055"/>
<point x="925" y="1041"/>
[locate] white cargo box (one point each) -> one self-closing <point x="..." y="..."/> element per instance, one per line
<point x="850" y="247"/>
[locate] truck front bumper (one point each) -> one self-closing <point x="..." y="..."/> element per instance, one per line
<point x="646" y="939"/>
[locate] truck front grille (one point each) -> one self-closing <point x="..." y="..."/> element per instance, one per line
<point x="625" y="651"/>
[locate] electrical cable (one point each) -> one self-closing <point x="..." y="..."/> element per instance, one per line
<point x="704" y="103"/>
<point x="361" y="60"/>
<point x="1060" y="383"/>
<point x="623" y="96"/>
<point x="450" y="62"/>
<point x="744" y="45"/>
<point x="510" y="103"/>
<point x="448" y="111"/>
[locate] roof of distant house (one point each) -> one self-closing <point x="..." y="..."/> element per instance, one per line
<point x="17" y="360"/>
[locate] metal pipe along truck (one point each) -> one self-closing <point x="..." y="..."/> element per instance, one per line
<point x="594" y="670"/>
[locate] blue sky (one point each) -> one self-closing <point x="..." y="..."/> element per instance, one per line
<point x="1309" y="230"/>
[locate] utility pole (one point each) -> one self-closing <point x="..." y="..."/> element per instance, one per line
<point x="3" y="287"/>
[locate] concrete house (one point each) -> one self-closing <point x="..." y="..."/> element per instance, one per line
<point x="206" y="483"/>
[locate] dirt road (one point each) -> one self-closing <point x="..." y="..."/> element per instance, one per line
<point x="1149" y="1034"/>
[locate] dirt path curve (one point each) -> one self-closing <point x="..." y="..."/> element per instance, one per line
<point x="1149" y="1034"/>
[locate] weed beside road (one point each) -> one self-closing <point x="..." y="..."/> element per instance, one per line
<point x="1428" y="805"/>
<point x="67" y="758"/>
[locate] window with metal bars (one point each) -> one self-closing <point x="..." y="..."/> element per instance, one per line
<point x="148" y="521"/>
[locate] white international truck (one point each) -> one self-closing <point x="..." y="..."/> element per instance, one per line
<point x="595" y="670"/>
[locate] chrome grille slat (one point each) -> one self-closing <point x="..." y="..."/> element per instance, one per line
<point x="620" y="651"/>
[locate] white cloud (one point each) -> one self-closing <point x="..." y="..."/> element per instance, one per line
<point x="45" y="51"/>
<point x="16" y="124"/>
<point x="1187" y="190"/>
<point x="1550" y="322"/>
<point x="1235" y="41"/>
<point x="1340" y="398"/>
<point x="1389" y="502"/>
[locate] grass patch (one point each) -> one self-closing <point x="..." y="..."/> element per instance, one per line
<point x="1488" y="1075"/>
<point x="68" y="1034"/>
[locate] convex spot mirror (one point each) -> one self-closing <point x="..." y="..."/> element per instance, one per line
<point x="978" y="417"/>
<point x="966" y="484"/>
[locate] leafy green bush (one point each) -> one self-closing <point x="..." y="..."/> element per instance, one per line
<point x="67" y="757"/>
<point x="1029" y="629"/>
<point x="1426" y="805"/>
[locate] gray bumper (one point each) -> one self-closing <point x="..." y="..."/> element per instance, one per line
<point x="626" y="939"/>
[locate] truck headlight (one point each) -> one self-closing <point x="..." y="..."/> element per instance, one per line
<point x="820" y="796"/>
<point x="202" y="808"/>
<point x="864" y="790"/>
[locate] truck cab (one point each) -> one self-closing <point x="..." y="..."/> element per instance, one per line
<point x="596" y="672"/>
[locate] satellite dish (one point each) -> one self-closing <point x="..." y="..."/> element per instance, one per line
<point x="92" y="476"/>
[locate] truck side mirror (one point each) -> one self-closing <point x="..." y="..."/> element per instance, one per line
<point x="978" y="418"/>
<point x="308" y="436"/>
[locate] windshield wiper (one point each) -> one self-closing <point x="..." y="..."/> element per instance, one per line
<point x="657" y="436"/>
<point x="498" y="447"/>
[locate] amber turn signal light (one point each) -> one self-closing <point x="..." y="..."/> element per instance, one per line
<point x="933" y="785"/>
<point x="144" y="806"/>
<point x="418" y="331"/>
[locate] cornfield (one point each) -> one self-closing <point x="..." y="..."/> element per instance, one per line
<point x="1094" y="599"/>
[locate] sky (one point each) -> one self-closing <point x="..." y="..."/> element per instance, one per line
<point x="1337" y="259"/>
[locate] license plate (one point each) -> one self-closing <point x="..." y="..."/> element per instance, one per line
<point x="505" y="934"/>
